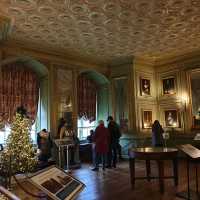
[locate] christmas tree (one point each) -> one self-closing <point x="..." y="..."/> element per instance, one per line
<point x="19" y="155"/>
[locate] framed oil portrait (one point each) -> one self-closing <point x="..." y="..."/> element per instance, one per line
<point x="147" y="119"/>
<point x="145" y="87"/>
<point x="171" y="118"/>
<point x="169" y="86"/>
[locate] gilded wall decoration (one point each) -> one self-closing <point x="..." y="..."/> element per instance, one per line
<point x="171" y="118"/>
<point x="147" y="119"/>
<point x="145" y="87"/>
<point x="121" y="102"/>
<point x="169" y="86"/>
<point x="64" y="94"/>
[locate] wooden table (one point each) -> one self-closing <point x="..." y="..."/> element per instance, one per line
<point x="153" y="153"/>
<point x="193" y="155"/>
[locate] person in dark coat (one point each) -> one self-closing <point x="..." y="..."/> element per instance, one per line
<point x="101" y="140"/>
<point x="115" y="134"/>
<point x="157" y="134"/>
<point x="44" y="143"/>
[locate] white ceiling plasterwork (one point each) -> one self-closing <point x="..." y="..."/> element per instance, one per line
<point x="103" y="30"/>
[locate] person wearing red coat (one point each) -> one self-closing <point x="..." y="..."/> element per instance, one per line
<point x="101" y="139"/>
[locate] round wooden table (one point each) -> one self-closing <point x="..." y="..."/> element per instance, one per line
<point x="153" y="153"/>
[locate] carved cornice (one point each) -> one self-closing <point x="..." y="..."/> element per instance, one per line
<point x="48" y="56"/>
<point x="5" y="27"/>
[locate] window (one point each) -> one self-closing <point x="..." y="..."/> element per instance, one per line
<point x="84" y="127"/>
<point x="4" y="134"/>
<point x="6" y="131"/>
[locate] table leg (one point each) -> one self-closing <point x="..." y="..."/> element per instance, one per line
<point x="67" y="158"/>
<point x="161" y="175"/>
<point x="188" y="177"/>
<point x="175" y="168"/>
<point x="132" y="171"/>
<point x="148" y="169"/>
<point x="197" y="184"/>
<point x="59" y="156"/>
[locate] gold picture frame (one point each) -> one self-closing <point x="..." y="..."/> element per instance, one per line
<point x="147" y="119"/>
<point x="169" y="86"/>
<point x="145" y="87"/>
<point x="171" y="118"/>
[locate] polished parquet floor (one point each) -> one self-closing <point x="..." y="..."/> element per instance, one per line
<point x="114" y="184"/>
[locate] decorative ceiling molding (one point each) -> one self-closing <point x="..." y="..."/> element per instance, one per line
<point x="106" y="31"/>
<point x="48" y="56"/>
<point x="5" y="27"/>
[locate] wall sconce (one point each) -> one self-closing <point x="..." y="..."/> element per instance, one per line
<point x="174" y="124"/>
<point x="184" y="98"/>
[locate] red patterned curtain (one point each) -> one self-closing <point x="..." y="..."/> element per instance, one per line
<point x="19" y="86"/>
<point x="87" y="94"/>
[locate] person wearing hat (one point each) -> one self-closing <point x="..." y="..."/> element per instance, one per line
<point x="114" y="142"/>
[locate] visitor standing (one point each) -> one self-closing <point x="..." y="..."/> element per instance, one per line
<point x="115" y="134"/>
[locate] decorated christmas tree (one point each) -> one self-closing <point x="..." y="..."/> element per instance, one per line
<point x="19" y="155"/>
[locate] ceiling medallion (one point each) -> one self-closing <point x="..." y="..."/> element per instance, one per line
<point x="15" y="11"/>
<point x="65" y="17"/>
<point x="46" y="10"/>
<point x="54" y="26"/>
<point x="177" y="4"/>
<point x="78" y="9"/>
<point x="35" y="19"/>
<point x="195" y="19"/>
<point x="110" y="7"/>
<point x="60" y="2"/>
<point x="25" y="4"/>
<point x="94" y="2"/>
<point x="143" y="6"/>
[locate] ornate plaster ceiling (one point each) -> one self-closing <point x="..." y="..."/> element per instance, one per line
<point x="107" y="30"/>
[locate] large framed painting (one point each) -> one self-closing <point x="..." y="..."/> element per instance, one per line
<point x="145" y="87"/>
<point x="64" y="91"/>
<point x="171" y="118"/>
<point x="121" y="106"/>
<point x="146" y="119"/>
<point x="168" y="86"/>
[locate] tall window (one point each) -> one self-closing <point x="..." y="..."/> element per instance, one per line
<point x="19" y="86"/>
<point x="87" y="106"/>
<point x="84" y="127"/>
<point x="6" y="131"/>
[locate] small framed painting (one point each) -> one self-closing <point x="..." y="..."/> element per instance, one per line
<point x="169" y="86"/>
<point x="171" y="118"/>
<point x="145" y="87"/>
<point x="147" y="119"/>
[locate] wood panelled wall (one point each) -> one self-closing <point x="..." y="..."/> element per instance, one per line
<point x="159" y="103"/>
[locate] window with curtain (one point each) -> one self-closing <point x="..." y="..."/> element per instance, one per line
<point x="19" y="86"/>
<point x="87" y="106"/>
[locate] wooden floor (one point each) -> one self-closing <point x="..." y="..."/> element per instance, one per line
<point x="114" y="184"/>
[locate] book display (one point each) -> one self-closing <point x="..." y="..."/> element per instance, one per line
<point x="57" y="184"/>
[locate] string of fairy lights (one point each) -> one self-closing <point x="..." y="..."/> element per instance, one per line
<point x="19" y="154"/>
